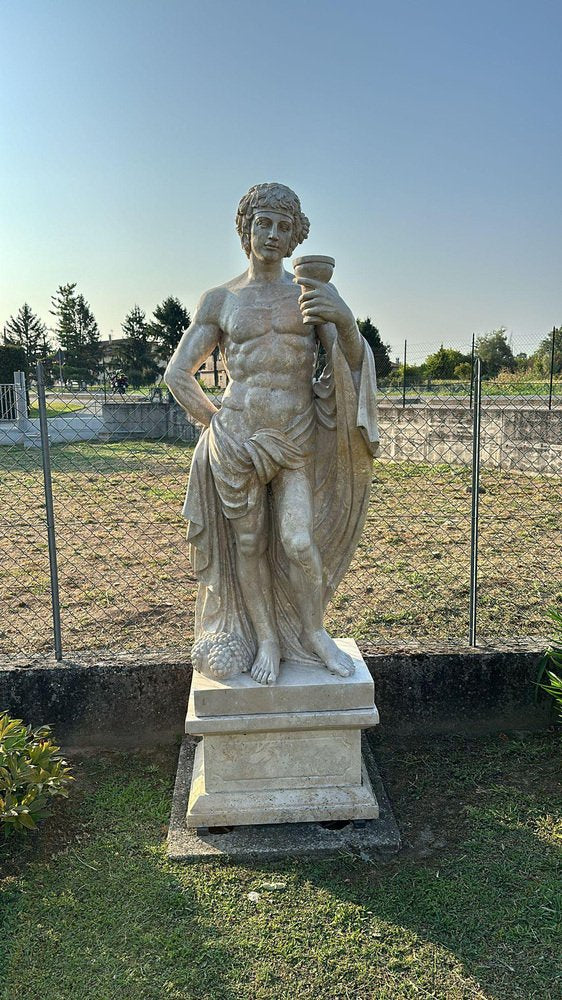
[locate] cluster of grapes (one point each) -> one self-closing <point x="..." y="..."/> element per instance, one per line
<point x="221" y="654"/>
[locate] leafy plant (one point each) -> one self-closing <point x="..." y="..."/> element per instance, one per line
<point x="32" y="772"/>
<point x="553" y="659"/>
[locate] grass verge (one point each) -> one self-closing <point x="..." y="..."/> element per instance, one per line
<point x="91" y="909"/>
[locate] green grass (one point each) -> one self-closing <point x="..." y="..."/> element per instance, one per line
<point x="530" y="388"/>
<point x="92" y="910"/>
<point x="56" y="408"/>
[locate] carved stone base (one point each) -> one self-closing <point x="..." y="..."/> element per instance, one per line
<point x="299" y="764"/>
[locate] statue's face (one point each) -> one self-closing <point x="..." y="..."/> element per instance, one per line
<point x="270" y="235"/>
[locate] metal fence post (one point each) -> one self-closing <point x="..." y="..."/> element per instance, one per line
<point x="472" y="371"/>
<point x="48" y="488"/>
<point x="551" y="368"/>
<point x="404" y="376"/>
<point x="477" y="377"/>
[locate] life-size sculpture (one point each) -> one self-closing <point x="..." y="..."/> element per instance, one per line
<point x="280" y="479"/>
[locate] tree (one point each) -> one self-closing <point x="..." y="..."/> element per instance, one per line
<point x="443" y="363"/>
<point x="26" y="330"/>
<point x="380" y="350"/>
<point x="541" y="359"/>
<point x="12" y="359"/>
<point x="77" y="332"/>
<point x="171" y="320"/>
<point x="136" y="355"/>
<point x="463" y="371"/>
<point x="495" y="353"/>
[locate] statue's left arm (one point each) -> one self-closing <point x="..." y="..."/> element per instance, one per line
<point x="321" y="303"/>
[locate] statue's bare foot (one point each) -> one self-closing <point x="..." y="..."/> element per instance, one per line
<point x="331" y="655"/>
<point x="265" y="668"/>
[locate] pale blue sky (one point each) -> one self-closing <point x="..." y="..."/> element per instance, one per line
<point x="423" y="138"/>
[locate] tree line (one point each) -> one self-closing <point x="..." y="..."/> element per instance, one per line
<point x="72" y="345"/>
<point x="147" y="343"/>
<point x="494" y="350"/>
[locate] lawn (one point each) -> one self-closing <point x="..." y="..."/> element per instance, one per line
<point x="126" y="581"/>
<point x="90" y="909"/>
<point x="56" y="408"/>
<point x="526" y="388"/>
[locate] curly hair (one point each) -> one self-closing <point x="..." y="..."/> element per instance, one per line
<point x="277" y="198"/>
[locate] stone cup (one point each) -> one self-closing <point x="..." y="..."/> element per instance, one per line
<point x="312" y="266"/>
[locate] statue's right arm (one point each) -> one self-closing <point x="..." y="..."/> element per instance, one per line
<point x="197" y="343"/>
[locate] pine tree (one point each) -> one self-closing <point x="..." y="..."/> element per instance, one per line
<point x="77" y="332"/>
<point x="26" y="330"/>
<point x="380" y="350"/>
<point x="171" y="320"/>
<point x="136" y="354"/>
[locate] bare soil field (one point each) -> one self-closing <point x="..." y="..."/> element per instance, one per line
<point x="126" y="582"/>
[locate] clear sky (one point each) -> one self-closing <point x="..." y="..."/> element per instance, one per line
<point x="423" y="138"/>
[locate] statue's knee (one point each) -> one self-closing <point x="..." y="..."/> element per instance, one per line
<point x="297" y="545"/>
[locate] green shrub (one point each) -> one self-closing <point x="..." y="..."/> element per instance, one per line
<point x="32" y="772"/>
<point x="12" y="359"/>
<point x="553" y="659"/>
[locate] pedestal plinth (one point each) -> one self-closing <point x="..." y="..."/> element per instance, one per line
<point x="288" y="753"/>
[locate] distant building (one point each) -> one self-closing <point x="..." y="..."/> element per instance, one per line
<point x="110" y="352"/>
<point x="109" y="349"/>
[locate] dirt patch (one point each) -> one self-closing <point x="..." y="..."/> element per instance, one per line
<point x="126" y="582"/>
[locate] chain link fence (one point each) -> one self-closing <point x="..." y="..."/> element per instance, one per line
<point x="119" y="465"/>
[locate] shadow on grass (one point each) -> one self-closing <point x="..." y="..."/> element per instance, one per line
<point x="101" y="458"/>
<point x="108" y="916"/>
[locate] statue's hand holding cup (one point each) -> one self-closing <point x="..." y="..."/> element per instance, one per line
<point x="312" y="273"/>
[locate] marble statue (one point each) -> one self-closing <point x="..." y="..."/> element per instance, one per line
<point x="280" y="479"/>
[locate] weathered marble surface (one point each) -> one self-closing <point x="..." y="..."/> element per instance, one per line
<point x="304" y="688"/>
<point x="290" y="762"/>
<point x="280" y="478"/>
<point x="293" y="805"/>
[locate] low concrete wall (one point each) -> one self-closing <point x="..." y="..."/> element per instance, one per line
<point x="512" y="438"/>
<point x="76" y="427"/>
<point x="148" y="420"/>
<point x="133" y="700"/>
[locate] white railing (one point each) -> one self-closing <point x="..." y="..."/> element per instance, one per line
<point x="13" y="401"/>
<point x="8" y="408"/>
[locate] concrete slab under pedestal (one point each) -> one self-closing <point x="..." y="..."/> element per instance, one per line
<point x="375" y="839"/>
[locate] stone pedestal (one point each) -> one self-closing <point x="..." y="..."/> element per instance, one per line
<point x="290" y="753"/>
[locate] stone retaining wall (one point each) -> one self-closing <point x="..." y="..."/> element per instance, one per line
<point x="122" y="700"/>
<point x="512" y="438"/>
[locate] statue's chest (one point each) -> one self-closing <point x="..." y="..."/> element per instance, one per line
<point x="262" y="317"/>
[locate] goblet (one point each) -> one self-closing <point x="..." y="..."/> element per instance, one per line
<point x="313" y="266"/>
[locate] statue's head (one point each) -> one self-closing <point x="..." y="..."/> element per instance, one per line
<point x="275" y="198"/>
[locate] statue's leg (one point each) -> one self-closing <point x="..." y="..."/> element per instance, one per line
<point x="295" y="512"/>
<point x="251" y="540"/>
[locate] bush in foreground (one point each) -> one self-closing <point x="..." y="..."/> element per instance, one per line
<point x="553" y="658"/>
<point x="32" y="772"/>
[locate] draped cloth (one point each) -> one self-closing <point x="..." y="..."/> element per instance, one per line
<point x="336" y="438"/>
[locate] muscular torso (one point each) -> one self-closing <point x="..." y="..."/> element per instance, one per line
<point x="269" y="354"/>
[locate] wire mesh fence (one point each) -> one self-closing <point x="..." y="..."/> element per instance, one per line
<point x="119" y="467"/>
